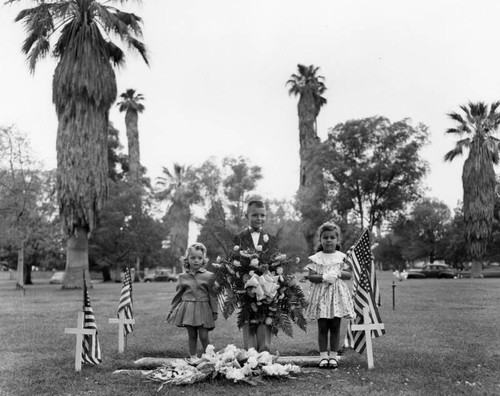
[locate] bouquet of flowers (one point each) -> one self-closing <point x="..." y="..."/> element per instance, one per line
<point x="262" y="286"/>
<point x="230" y="363"/>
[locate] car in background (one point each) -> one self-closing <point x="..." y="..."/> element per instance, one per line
<point x="161" y="275"/>
<point x="57" y="277"/>
<point x="439" y="271"/>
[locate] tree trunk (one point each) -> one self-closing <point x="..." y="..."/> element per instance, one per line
<point x="20" y="265"/>
<point x="106" y="273"/>
<point x="27" y="274"/>
<point x="131" y="122"/>
<point x="476" y="270"/>
<point x="178" y="218"/>
<point x="77" y="260"/>
<point x="137" y="266"/>
<point x="311" y="186"/>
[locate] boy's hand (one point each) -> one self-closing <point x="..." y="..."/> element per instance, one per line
<point x="215" y="315"/>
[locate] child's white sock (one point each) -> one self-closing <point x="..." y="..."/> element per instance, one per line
<point x="333" y="354"/>
<point x="194" y="356"/>
<point x="323" y="355"/>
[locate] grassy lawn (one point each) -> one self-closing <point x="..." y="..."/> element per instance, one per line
<point x="443" y="338"/>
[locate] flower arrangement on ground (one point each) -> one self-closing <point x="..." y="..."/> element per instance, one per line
<point x="262" y="287"/>
<point x="230" y="363"/>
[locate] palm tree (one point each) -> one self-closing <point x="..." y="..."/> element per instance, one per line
<point x="83" y="90"/>
<point x="131" y="105"/>
<point x="182" y="188"/>
<point x="479" y="122"/>
<point x="309" y="86"/>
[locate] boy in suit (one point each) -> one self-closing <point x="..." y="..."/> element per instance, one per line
<point x="250" y="238"/>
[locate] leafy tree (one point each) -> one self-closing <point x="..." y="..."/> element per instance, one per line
<point x="125" y="233"/>
<point x="132" y="106"/>
<point x="374" y="167"/>
<point x="215" y="233"/>
<point x="479" y="123"/>
<point x="21" y="187"/>
<point x="241" y="179"/>
<point x="83" y="90"/>
<point x="310" y="87"/>
<point x="430" y="218"/>
<point x="118" y="164"/>
<point x="182" y="189"/>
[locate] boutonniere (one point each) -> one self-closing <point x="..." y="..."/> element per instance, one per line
<point x="265" y="238"/>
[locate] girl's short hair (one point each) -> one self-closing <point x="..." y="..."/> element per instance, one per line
<point x="194" y="246"/>
<point x="328" y="226"/>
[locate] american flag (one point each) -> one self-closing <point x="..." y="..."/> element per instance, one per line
<point x="125" y="305"/>
<point x="91" y="352"/>
<point x="366" y="292"/>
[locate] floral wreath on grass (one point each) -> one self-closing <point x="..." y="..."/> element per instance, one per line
<point x="263" y="287"/>
<point x="230" y="363"/>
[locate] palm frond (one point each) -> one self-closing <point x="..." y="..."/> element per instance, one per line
<point x="38" y="50"/>
<point x="450" y="155"/>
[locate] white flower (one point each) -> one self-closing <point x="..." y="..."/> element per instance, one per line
<point x="265" y="358"/>
<point x="247" y="369"/>
<point x="252" y="362"/>
<point x="254" y="262"/>
<point x="297" y="260"/>
<point x="279" y="369"/>
<point x="234" y="374"/>
<point x="236" y="263"/>
<point x="265" y="238"/>
<point x="259" y="248"/>
<point x="218" y="259"/>
<point x="236" y="248"/>
<point x="279" y="270"/>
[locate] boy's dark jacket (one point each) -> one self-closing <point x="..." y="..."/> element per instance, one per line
<point x="244" y="241"/>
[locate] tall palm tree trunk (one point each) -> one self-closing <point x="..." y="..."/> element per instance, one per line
<point x="77" y="260"/>
<point x="131" y="122"/>
<point x="178" y="218"/>
<point x="478" y="180"/>
<point x="311" y="187"/>
<point x="82" y="165"/>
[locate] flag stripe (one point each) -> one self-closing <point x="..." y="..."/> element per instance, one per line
<point x="125" y="304"/>
<point x="366" y="292"/>
<point x="91" y="351"/>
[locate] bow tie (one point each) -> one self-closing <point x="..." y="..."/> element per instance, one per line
<point x="255" y="229"/>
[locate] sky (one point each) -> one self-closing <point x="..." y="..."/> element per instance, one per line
<point x="215" y="86"/>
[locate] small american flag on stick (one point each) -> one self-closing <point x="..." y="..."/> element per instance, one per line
<point x="366" y="292"/>
<point x="91" y="352"/>
<point x="125" y="305"/>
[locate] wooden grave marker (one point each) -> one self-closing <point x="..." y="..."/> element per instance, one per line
<point x="122" y="337"/>
<point x="80" y="331"/>
<point x="367" y="327"/>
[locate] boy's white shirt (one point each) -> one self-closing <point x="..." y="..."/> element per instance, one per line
<point x="255" y="237"/>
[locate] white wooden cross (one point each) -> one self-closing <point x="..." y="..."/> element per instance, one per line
<point x="80" y="331"/>
<point x="367" y="327"/>
<point x="122" y="337"/>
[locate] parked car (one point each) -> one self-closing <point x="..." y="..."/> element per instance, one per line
<point x="57" y="277"/>
<point x="161" y="275"/>
<point x="433" y="271"/>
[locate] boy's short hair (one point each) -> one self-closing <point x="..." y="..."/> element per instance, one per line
<point x="256" y="203"/>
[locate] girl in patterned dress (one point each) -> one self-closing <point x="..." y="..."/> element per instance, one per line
<point x="329" y="298"/>
<point x="194" y="306"/>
